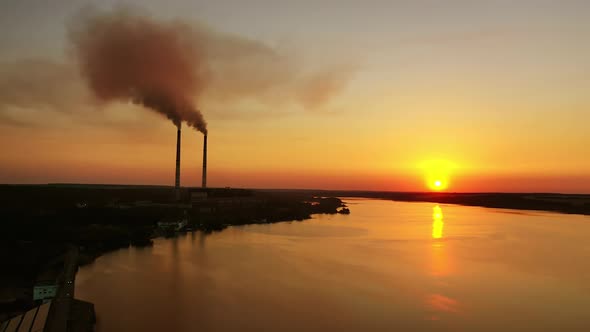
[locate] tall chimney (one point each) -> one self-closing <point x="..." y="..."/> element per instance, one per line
<point x="204" y="162"/>
<point x="177" y="179"/>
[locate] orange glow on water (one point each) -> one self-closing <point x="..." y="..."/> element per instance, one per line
<point x="437" y="223"/>
<point x="442" y="303"/>
<point x="440" y="258"/>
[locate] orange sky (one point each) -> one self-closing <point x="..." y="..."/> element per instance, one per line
<point x="505" y="102"/>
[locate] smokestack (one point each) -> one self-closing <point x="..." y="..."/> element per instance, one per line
<point x="205" y="161"/>
<point x="177" y="180"/>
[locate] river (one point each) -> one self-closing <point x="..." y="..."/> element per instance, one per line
<point x="388" y="266"/>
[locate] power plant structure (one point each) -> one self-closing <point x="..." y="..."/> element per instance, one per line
<point x="204" y="175"/>
<point x="177" y="190"/>
<point x="177" y="178"/>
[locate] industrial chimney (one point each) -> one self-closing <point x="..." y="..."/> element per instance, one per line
<point x="204" y="162"/>
<point x="177" y="179"/>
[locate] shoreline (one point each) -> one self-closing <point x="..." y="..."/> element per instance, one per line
<point x="42" y="222"/>
<point x="558" y="203"/>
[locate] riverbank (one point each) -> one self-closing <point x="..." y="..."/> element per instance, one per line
<point x="40" y="222"/>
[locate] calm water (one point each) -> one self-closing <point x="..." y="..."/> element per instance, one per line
<point x="388" y="266"/>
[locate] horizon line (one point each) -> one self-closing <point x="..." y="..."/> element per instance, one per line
<point x="65" y="184"/>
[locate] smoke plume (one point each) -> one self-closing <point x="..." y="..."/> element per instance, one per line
<point x="123" y="56"/>
<point x="170" y="67"/>
<point x="40" y="84"/>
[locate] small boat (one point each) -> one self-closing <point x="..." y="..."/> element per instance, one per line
<point x="344" y="211"/>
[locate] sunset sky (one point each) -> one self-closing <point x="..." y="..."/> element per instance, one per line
<point x="358" y="95"/>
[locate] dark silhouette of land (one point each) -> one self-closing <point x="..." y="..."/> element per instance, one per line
<point x="552" y="202"/>
<point x="41" y="223"/>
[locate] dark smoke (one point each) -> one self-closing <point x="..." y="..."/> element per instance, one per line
<point x="170" y="67"/>
<point x="123" y="56"/>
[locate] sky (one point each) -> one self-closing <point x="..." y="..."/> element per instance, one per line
<point x="372" y="95"/>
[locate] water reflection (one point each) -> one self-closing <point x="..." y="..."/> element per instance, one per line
<point x="175" y="267"/>
<point x="202" y="238"/>
<point x="440" y="269"/>
<point x="442" y="303"/>
<point x="440" y="260"/>
<point x="437" y="222"/>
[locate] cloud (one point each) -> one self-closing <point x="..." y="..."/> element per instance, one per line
<point x="41" y="84"/>
<point x="233" y="71"/>
<point x="319" y="88"/>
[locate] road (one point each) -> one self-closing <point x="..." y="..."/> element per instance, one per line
<point x="61" y="304"/>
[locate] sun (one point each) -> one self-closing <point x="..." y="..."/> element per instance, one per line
<point x="437" y="184"/>
<point x="437" y="174"/>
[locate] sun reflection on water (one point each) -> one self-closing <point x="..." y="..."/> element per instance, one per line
<point x="438" y="303"/>
<point x="440" y="263"/>
<point x="437" y="222"/>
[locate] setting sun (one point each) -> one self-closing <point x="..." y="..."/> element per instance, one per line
<point x="437" y="185"/>
<point x="437" y="174"/>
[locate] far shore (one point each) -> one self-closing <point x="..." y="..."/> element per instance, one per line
<point x="551" y="202"/>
